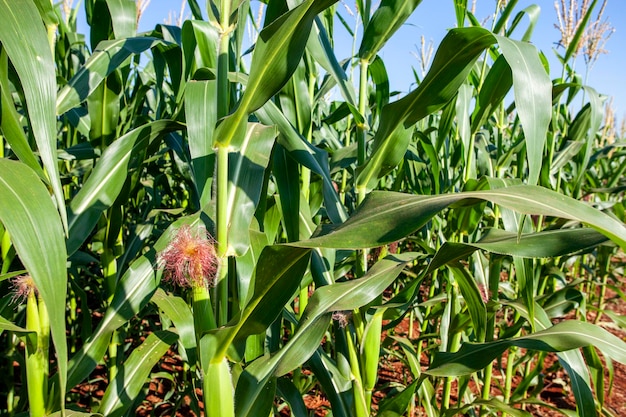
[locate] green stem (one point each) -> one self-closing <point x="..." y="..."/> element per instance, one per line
<point x="495" y="266"/>
<point x="605" y="259"/>
<point x="109" y="271"/>
<point x="453" y="346"/>
<point x="44" y="341"/>
<point x="508" y="382"/>
<point x="305" y="172"/>
<point x="344" y="172"/>
<point x="11" y="377"/>
<point x="361" y="126"/>
<point x="73" y="318"/>
<point x="203" y="318"/>
<point x="371" y="355"/>
<point x="218" y="390"/>
<point x="114" y="358"/>
<point x="223" y="102"/>
<point x="362" y="154"/>
<point x="455" y="343"/>
<point x="424" y="326"/>
<point x="360" y="402"/>
<point x="221" y="282"/>
<point x="303" y="299"/>
<point x="216" y="383"/>
<point x="36" y="366"/>
<point x="510" y="367"/>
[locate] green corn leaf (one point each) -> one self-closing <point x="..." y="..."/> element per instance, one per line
<point x="46" y="9"/>
<point x="386" y="217"/>
<point x="103" y="106"/>
<point x="491" y="404"/>
<point x="107" y="179"/>
<point x="132" y="375"/>
<point x="195" y="9"/>
<point x="10" y="124"/>
<point x="336" y="385"/>
<point x="387" y="19"/>
<point x="545" y="244"/>
<point x="532" y="12"/>
<point x="463" y="98"/>
<point x="495" y="88"/>
<point x="108" y="56"/>
<point x="597" y="371"/>
<point x="200" y="44"/>
<point x="178" y="311"/>
<point x="571" y="360"/>
<point x="379" y="75"/>
<point x="123" y="17"/>
<point x="313" y="325"/>
<point x="12" y="327"/>
<point x="246" y="170"/>
<point x="576" y="368"/>
<point x="307" y="155"/>
<point x="294" y="98"/>
<point x="399" y="403"/>
<point x="26" y="43"/>
<point x="472" y="295"/>
<point x="201" y="116"/>
<point x="504" y="17"/>
<point x="133" y="291"/>
<point x="322" y="52"/>
<point x="99" y="21"/>
<point x="533" y="98"/>
<point x="593" y="123"/>
<point x="246" y="265"/>
<point x="560" y="302"/>
<point x="561" y="337"/>
<point x="278" y="51"/>
<point x="287" y="390"/>
<point x="29" y="215"/>
<point x="73" y="413"/>
<point x="453" y="61"/>
<point x="276" y="280"/>
<point x="287" y="173"/>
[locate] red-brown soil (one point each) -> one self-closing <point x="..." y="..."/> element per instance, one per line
<point x="163" y="396"/>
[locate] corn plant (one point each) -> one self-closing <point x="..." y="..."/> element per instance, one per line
<point x="180" y="190"/>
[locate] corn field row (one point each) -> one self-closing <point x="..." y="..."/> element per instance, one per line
<point x="268" y="214"/>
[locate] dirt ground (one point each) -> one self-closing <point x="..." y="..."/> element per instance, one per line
<point x="163" y="396"/>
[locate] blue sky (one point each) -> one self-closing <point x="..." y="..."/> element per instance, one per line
<point x="433" y="18"/>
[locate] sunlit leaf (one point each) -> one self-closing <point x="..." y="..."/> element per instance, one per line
<point x="386" y="217"/>
<point x="278" y="51"/>
<point x="24" y="38"/>
<point x="387" y="19"/>
<point x="561" y="337"/>
<point x="29" y="215"/>
<point x="105" y="59"/>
